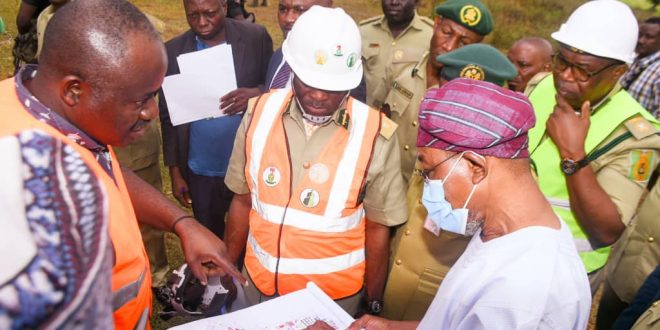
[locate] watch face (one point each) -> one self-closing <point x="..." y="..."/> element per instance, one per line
<point x="568" y="166"/>
<point x="375" y="307"/>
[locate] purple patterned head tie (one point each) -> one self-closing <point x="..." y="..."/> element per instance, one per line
<point x="473" y="115"/>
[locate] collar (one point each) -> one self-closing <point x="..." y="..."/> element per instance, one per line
<point x="617" y="88"/>
<point x="416" y="24"/>
<point x="646" y="61"/>
<point x="294" y="112"/>
<point x="44" y="114"/>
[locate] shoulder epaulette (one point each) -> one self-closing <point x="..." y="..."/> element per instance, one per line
<point x="640" y="127"/>
<point x="252" y="103"/>
<point x="387" y="127"/>
<point x="427" y="20"/>
<point x="371" y="20"/>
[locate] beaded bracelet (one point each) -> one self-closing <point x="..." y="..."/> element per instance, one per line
<point x="179" y="219"/>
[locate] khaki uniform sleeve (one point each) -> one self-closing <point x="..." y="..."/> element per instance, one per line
<point x="385" y="199"/>
<point x="235" y="178"/>
<point x="624" y="171"/>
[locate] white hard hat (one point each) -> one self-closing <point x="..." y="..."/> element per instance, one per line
<point x="323" y="49"/>
<point x="605" y="28"/>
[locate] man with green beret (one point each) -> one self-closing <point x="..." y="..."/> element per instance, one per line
<point x="420" y="260"/>
<point x="478" y="62"/>
<point x="459" y="23"/>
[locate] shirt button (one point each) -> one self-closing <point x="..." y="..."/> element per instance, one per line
<point x="394" y="105"/>
<point x="655" y="304"/>
<point x="306" y="165"/>
<point x="651" y="239"/>
<point x="393" y="43"/>
<point x="407" y="232"/>
<point x="398" y="262"/>
<point x="415" y="123"/>
<point x="406" y="147"/>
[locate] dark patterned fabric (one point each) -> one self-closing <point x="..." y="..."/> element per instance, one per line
<point x="67" y="283"/>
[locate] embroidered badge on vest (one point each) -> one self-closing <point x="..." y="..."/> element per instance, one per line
<point x="309" y="198"/>
<point x="271" y="176"/>
<point x="319" y="173"/>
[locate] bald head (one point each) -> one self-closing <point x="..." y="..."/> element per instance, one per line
<point x="90" y="37"/>
<point x="101" y="65"/>
<point x="530" y="56"/>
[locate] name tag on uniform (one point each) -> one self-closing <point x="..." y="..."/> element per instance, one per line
<point x="404" y="91"/>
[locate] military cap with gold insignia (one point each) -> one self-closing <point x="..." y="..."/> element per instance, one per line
<point x="478" y="62"/>
<point x="472" y="14"/>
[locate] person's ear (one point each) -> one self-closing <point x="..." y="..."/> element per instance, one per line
<point x="436" y="22"/>
<point x="619" y="71"/>
<point x="71" y="90"/>
<point x="478" y="166"/>
<point x="547" y="67"/>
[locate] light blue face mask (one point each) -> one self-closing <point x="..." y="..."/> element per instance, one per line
<point x="441" y="215"/>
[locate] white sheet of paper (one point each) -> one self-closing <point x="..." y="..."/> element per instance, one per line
<point x="188" y="100"/>
<point x="296" y="310"/>
<point x="215" y="63"/>
<point x="205" y="77"/>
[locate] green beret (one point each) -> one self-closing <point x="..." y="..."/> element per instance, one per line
<point x="479" y="62"/>
<point x="472" y="14"/>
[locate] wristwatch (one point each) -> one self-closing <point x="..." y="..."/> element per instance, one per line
<point x="569" y="166"/>
<point x="374" y="307"/>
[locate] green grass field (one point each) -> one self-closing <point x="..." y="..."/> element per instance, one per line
<point x="513" y="19"/>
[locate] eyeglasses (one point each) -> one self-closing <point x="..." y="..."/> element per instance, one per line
<point x="579" y="73"/>
<point x="425" y="173"/>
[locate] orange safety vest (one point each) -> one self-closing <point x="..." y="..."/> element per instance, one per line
<point x="316" y="230"/>
<point x="131" y="280"/>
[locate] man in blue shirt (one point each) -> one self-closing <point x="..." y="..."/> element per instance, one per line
<point x="197" y="153"/>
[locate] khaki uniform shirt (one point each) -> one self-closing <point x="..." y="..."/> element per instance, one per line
<point x="395" y="76"/>
<point x="624" y="171"/>
<point x="637" y="252"/>
<point x="420" y="261"/>
<point x="650" y="319"/>
<point x="384" y="201"/>
<point x="386" y="57"/>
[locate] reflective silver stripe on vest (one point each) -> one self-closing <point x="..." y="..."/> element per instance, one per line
<point x="305" y="266"/>
<point x="144" y="318"/>
<point x="583" y="245"/>
<point x="559" y="203"/>
<point x="128" y="292"/>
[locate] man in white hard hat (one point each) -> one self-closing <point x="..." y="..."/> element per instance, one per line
<point x="598" y="147"/>
<point x="316" y="175"/>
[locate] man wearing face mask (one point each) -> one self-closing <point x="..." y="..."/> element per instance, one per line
<point x="521" y="269"/>
<point x="419" y="259"/>
<point x="316" y="175"/>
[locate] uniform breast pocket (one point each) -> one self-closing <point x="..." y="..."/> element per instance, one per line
<point x="398" y="97"/>
<point x="370" y="58"/>
<point x="429" y="281"/>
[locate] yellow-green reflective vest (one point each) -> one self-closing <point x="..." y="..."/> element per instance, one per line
<point x="545" y="157"/>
